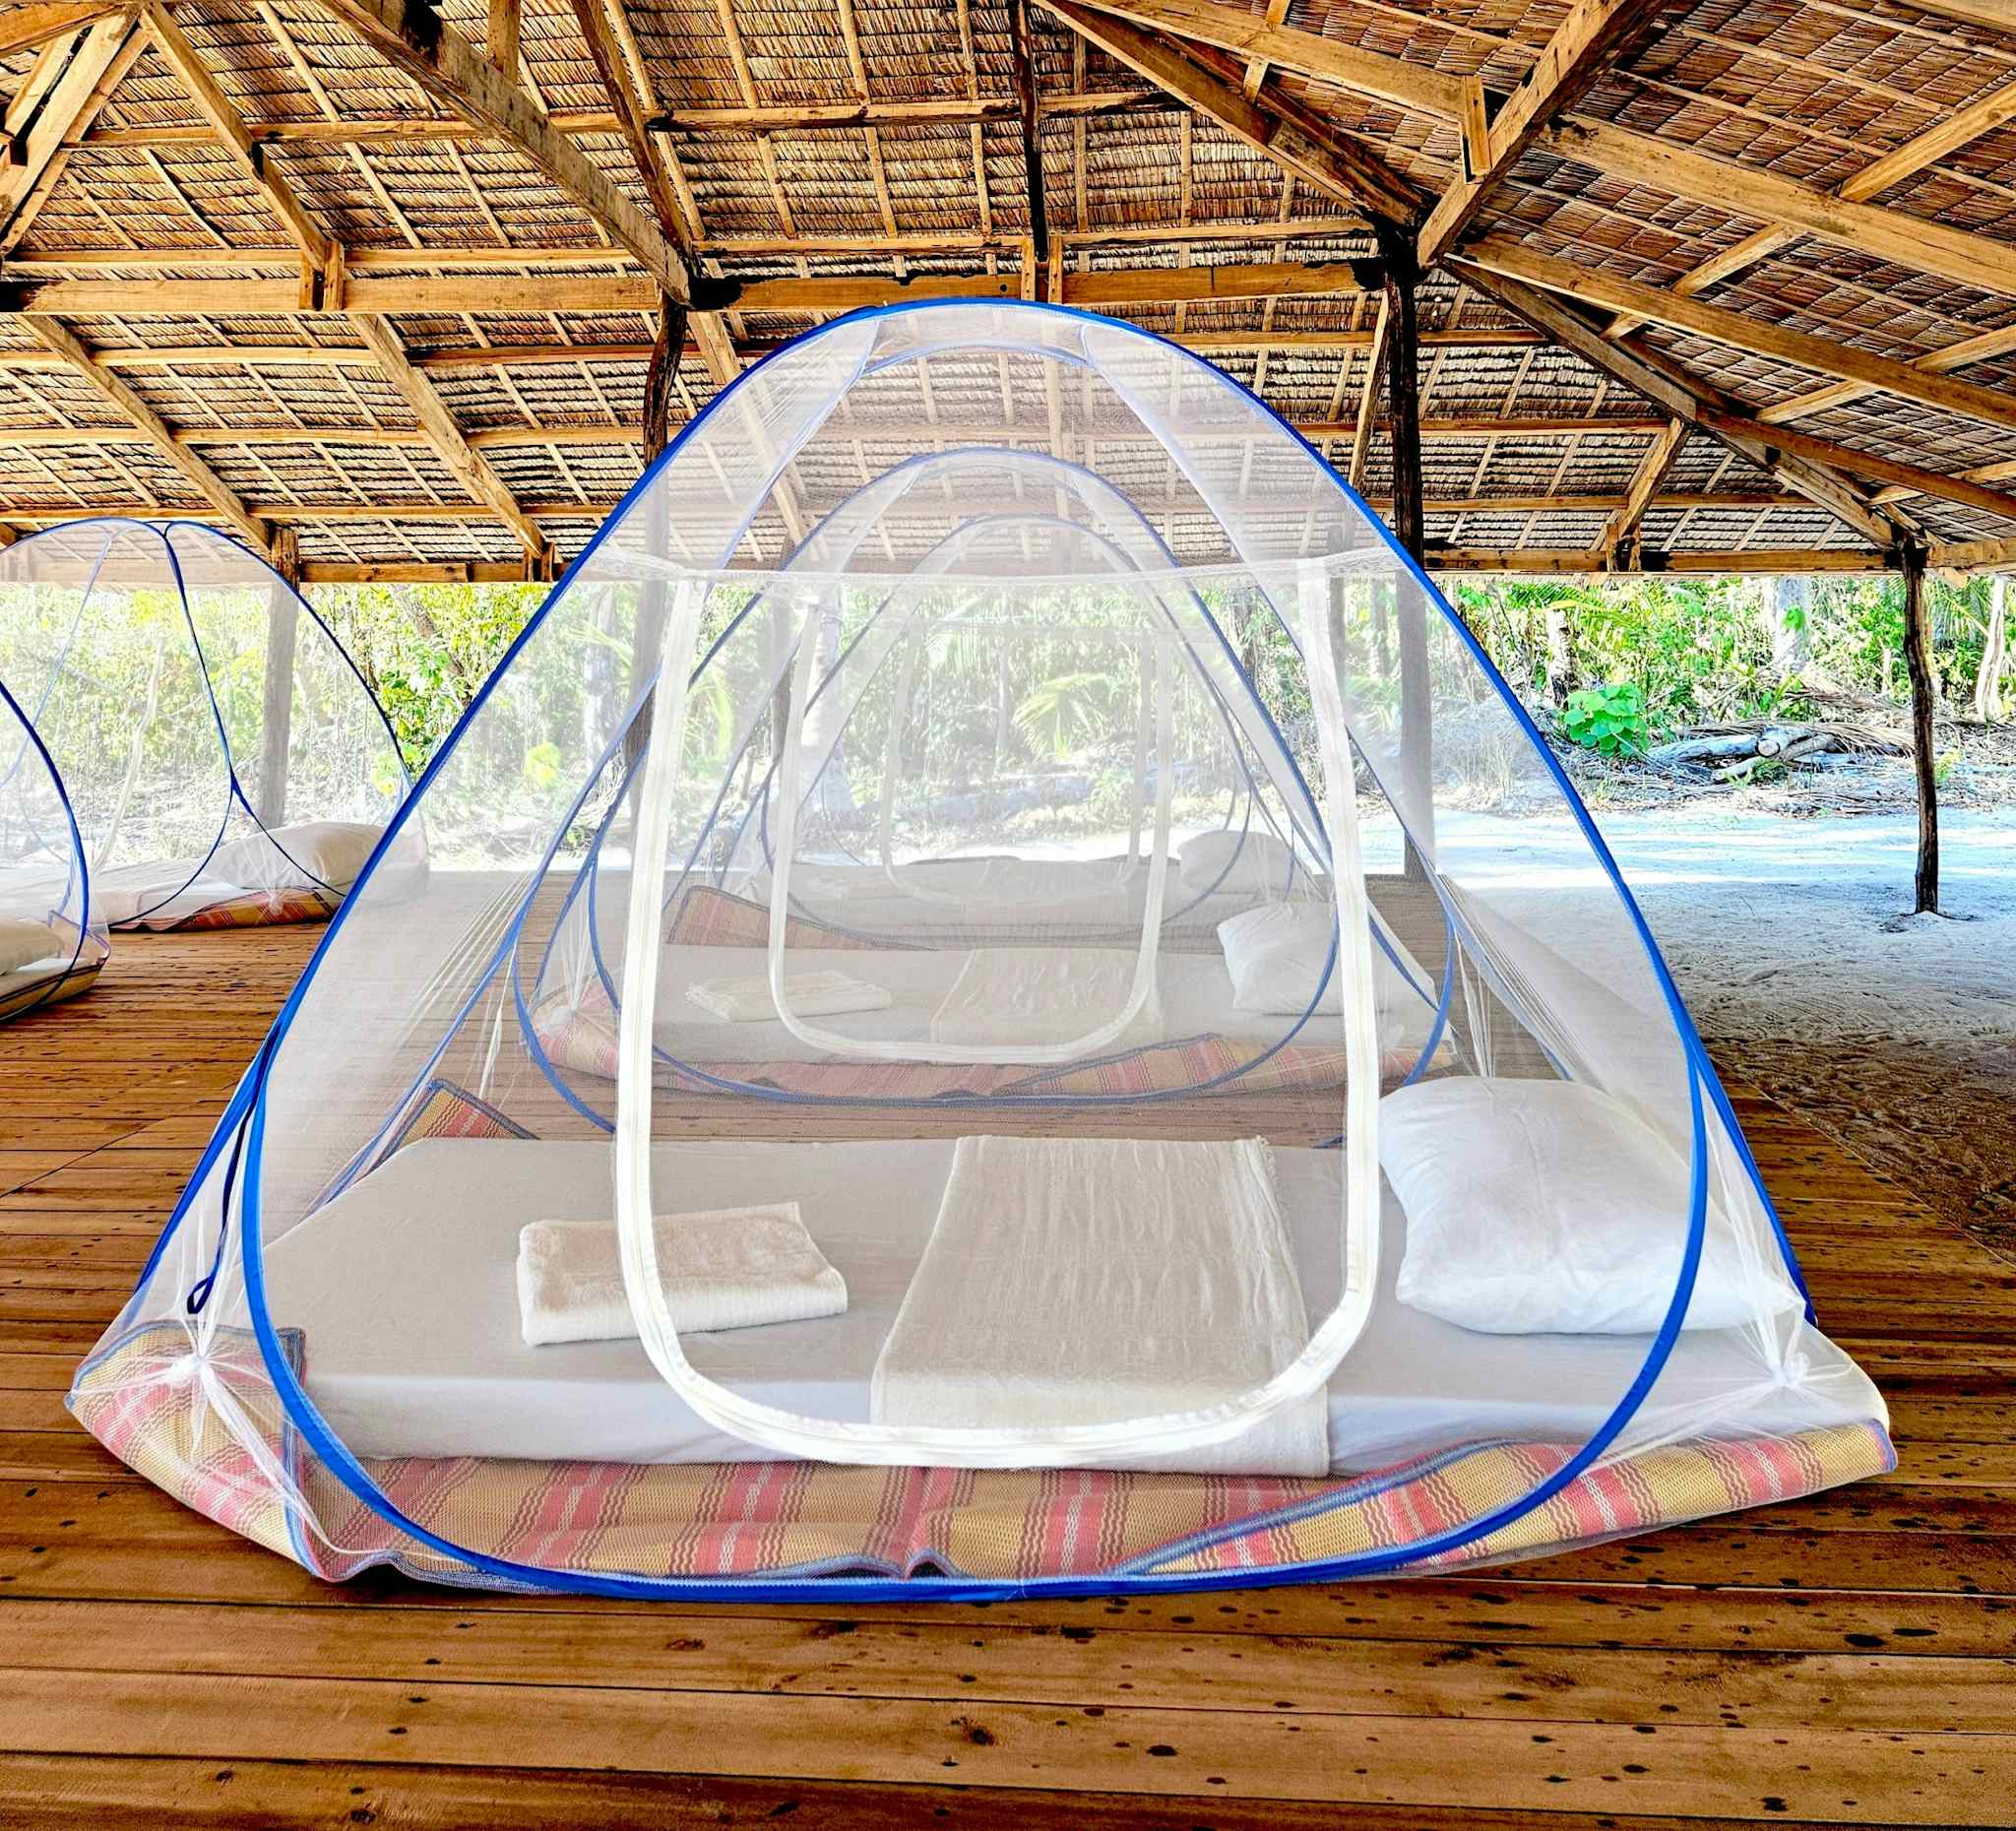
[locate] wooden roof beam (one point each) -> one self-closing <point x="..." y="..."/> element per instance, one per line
<point x="462" y="80"/>
<point x="61" y="342"/>
<point x="1765" y="561"/>
<point x="1988" y="345"/>
<point x="1905" y="479"/>
<point x="1368" y="397"/>
<point x="1593" y="36"/>
<point x="1786" y="205"/>
<point x="1683" y="396"/>
<point x="1736" y="330"/>
<point x="1945" y="136"/>
<point x="92" y="70"/>
<point x="471" y="468"/>
<point x="1294" y="139"/>
<point x="24" y="26"/>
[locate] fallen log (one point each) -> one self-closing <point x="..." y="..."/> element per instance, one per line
<point x="1796" y="750"/>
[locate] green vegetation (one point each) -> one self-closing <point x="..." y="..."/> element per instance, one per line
<point x="1623" y="663"/>
<point x="1700" y="651"/>
<point x="1606" y="718"/>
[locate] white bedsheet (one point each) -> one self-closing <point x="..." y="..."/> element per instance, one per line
<point x="405" y="1289"/>
<point x="1077" y="1281"/>
<point x="1037" y="997"/>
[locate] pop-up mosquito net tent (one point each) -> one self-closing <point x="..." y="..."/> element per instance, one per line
<point x="52" y="939"/>
<point x="225" y="762"/>
<point x="977" y="1022"/>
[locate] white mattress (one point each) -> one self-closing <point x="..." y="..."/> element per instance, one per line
<point x="1195" y="990"/>
<point x="405" y="1290"/>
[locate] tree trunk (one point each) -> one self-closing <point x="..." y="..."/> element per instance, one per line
<point x="1918" y="659"/>
<point x="1792" y="648"/>
<point x="1560" y="655"/>
<point x="1994" y="652"/>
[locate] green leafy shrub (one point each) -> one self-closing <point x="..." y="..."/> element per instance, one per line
<point x="1608" y="720"/>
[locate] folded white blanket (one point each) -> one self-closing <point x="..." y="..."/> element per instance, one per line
<point x="1024" y="996"/>
<point x="1080" y="1280"/>
<point x="727" y="1268"/>
<point x="747" y="1000"/>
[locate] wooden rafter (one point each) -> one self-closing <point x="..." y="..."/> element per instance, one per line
<point x="1941" y="362"/>
<point x="744" y="118"/>
<point x="1943" y="138"/>
<point x="1906" y="479"/>
<point x="464" y="81"/>
<point x="1683" y="396"/>
<point x="1594" y="36"/>
<point x="25" y="26"/>
<point x="1619" y="540"/>
<point x="119" y="393"/>
<point x="317" y="249"/>
<point x="1680" y="395"/>
<point x="1368" y="399"/>
<point x="1737" y="331"/>
<point x="83" y="76"/>
<point x="469" y="465"/>
<point x="504" y="34"/>
<point x="1797" y="209"/>
<point x="1291" y="137"/>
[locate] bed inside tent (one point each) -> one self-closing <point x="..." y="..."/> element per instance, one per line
<point x="977" y="1031"/>
<point x="224" y="760"/>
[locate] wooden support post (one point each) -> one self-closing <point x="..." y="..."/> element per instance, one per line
<point x="1918" y="662"/>
<point x="1032" y="144"/>
<point x="1403" y="408"/>
<point x="277" y="709"/>
<point x="660" y="381"/>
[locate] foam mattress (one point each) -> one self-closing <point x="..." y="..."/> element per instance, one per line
<point x="403" y="1289"/>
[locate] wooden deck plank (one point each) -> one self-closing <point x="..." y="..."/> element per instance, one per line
<point x="1842" y="1658"/>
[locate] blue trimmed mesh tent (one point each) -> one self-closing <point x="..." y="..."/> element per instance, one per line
<point x="963" y="1015"/>
<point x="52" y="940"/>
<point x="224" y="760"/>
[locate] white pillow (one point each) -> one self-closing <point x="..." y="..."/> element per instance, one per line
<point x="1547" y="1207"/>
<point x="1276" y="954"/>
<point x="22" y="943"/>
<point x="328" y="852"/>
<point x="1252" y="864"/>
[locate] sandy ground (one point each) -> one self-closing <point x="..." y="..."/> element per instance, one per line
<point x="1790" y="940"/>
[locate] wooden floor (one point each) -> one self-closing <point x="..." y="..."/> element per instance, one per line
<point x="1844" y="1659"/>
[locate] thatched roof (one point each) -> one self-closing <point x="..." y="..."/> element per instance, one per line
<point x="1708" y="283"/>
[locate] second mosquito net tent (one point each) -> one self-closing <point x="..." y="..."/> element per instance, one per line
<point x="224" y="760"/>
<point x="976" y="1022"/>
<point x="52" y="940"/>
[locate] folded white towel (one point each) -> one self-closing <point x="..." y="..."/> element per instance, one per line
<point x="1022" y="996"/>
<point x="725" y="1268"/>
<point x="747" y="1000"/>
<point x="1082" y="1280"/>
